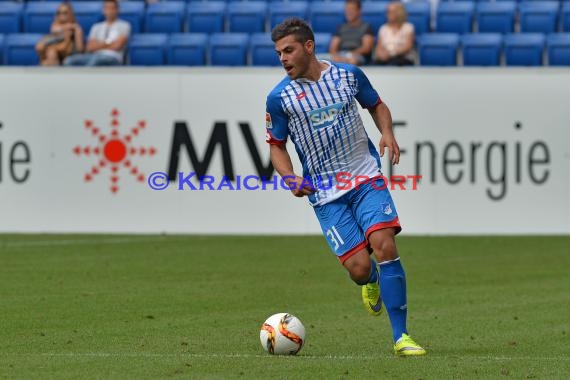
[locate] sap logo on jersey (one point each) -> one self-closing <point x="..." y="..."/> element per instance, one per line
<point x="324" y="117"/>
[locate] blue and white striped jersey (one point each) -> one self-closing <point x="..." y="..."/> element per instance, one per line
<point x="324" y="124"/>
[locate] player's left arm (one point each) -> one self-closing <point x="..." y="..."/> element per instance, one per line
<point x="369" y="99"/>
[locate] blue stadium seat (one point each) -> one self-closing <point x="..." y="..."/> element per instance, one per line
<point x="263" y="50"/>
<point x="133" y="13"/>
<point x="438" y="49"/>
<point x="147" y="49"/>
<point x="565" y="16"/>
<point x="88" y="13"/>
<point x="187" y="49"/>
<point x="20" y="49"/>
<point x="558" y="49"/>
<point x="165" y="17"/>
<point x="39" y="16"/>
<point x="322" y="42"/>
<point x="1" y="49"/>
<point x="496" y="17"/>
<point x="325" y="16"/>
<point x="482" y="49"/>
<point x="206" y="17"/>
<point x="281" y="11"/>
<point x="524" y="49"/>
<point x="538" y="16"/>
<point x="455" y="17"/>
<point x="374" y="13"/>
<point x="247" y="17"/>
<point x="228" y="49"/>
<point x="419" y="15"/>
<point x="10" y="17"/>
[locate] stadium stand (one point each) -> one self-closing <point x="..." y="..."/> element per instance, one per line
<point x="1" y="49"/>
<point x="187" y="49"/>
<point x="263" y="50"/>
<point x="473" y="23"/>
<point x="481" y="49"/>
<point x="165" y="17"/>
<point x="322" y="43"/>
<point x="325" y="17"/>
<point x="147" y="49"/>
<point x="87" y="13"/>
<point x="19" y="49"/>
<point x="374" y="13"/>
<point x="11" y="17"/>
<point x="247" y="17"/>
<point x="279" y="11"/>
<point x="133" y="12"/>
<point x="524" y="49"/>
<point x="228" y="49"/>
<point x="538" y="16"/>
<point x="565" y="16"/>
<point x="558" y="49"/>
<point x="206" y="17"/>
<point x="38" y="16"/>
<point x="419" y="15"/>
<point x="438" y="49"/>
<point x="496" y="17"/>
<point x="455" y="17"/>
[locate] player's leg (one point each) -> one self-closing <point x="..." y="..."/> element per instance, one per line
<point x="377" y="216"/>
<point x="348" y="243"/>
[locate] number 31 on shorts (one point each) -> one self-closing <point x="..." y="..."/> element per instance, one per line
<point x="335" y="238"/>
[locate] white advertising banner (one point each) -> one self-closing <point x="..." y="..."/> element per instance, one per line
<point x="77" y="148"/>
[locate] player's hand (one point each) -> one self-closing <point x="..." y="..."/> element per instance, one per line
<point x="300" y="186"/>
<point x="389" y="141"/>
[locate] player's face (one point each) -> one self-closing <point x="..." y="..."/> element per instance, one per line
<point x="294" y="56"/>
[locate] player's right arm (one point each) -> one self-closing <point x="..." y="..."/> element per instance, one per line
<point x="277" y="130"/>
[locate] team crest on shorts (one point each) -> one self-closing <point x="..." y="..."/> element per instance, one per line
<point x="268" y="123"/>
<point x="387" y="209"/>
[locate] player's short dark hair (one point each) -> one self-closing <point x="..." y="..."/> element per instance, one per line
<point x="293" y="26"/>
<point x="358" y="3"/>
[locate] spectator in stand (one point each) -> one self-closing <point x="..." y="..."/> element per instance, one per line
<point x="65" y="38"/>
<point x="396" y="38"/>
<point x="107" y="40"/>
<point x="353" y="41"/>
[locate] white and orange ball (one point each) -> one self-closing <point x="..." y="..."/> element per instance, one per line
<point x="282" y="334"/>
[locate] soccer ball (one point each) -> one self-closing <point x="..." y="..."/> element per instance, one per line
<point x="282" y="334"/>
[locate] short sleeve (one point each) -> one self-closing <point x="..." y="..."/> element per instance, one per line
<point x="366" y="96"/>
<point x="276" y="121"/>
<point x="93" y="32"/>
<point x="369" y="31"/>
<point x="126" y="29"/>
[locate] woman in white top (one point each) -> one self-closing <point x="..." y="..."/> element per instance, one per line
<point x="396" y="38"/>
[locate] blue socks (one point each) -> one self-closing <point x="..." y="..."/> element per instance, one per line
<point x="393" y="288"/>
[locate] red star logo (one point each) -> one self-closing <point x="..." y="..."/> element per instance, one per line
<point x="114" y="151"/>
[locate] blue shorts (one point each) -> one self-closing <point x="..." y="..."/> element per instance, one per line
<point x="349" y="220"/>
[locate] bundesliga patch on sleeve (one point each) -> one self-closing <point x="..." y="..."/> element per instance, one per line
<point x="268" y="123"/>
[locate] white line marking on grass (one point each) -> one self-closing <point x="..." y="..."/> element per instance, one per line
<point x="298" y="357"/>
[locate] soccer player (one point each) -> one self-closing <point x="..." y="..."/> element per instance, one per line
<point x="316" y="106"/>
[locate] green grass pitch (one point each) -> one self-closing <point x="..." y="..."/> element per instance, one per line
<point x="137" y="307"/>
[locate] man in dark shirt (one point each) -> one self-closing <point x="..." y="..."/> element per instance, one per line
<point x="353" y="42"/>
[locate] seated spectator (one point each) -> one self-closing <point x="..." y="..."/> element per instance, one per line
<point x="107" y="40"/>
<point x="353" y="42"/>
<point x="65" y="38"/>
<point x="396" y="38"/>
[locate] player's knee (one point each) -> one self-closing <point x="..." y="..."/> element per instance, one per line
<point x="384" y="246"/>
<point x="359" y="268"/>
